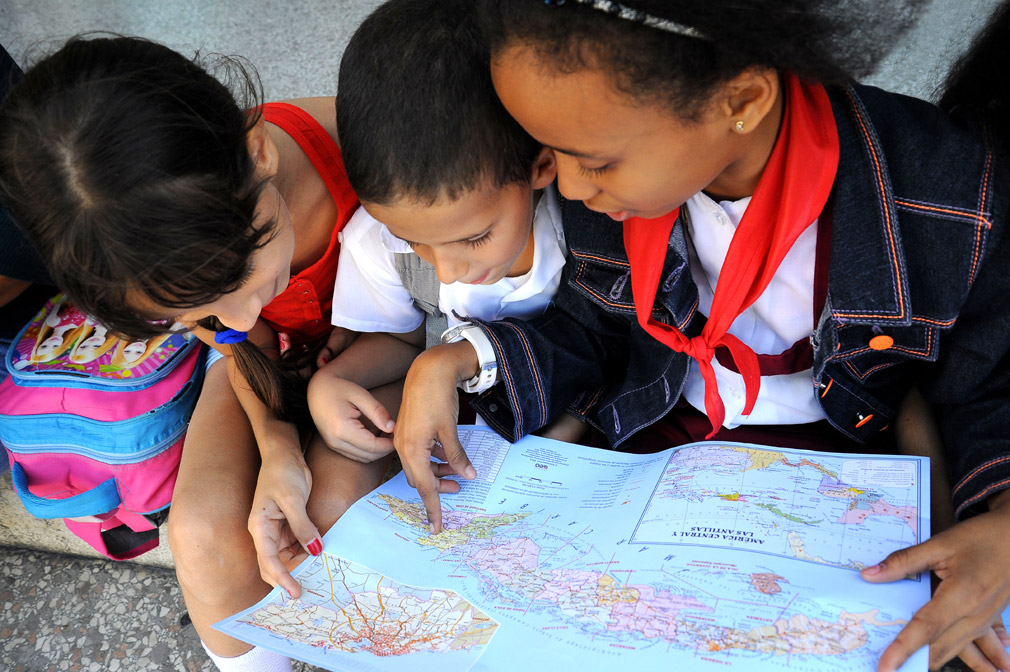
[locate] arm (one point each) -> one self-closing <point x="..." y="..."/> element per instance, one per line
<point x="970" y="389"/>
<point x="340" y="399"/>
<point x="427" y="424"/>
<point x="963" y="617"/>
<point x="11" y="288"/>
<point x="277" y="519"/>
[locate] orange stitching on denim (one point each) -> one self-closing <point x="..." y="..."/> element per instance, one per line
<point x="978" y="229"/>
<point x="577" y="280"/>
<point x="982" y="495"/>
<point x="864" y="421"/>
<point x="922" y="353"/>
<point x="926" y="320"/>
<point x="616" y="262"/>
<point x="533" y="368"/>
<point x="831" y="381"/>
<point x="887" y="213"/>
<point x="584" y="408"/>
<point x="987" y="465"/>
<point x="509" y="384"/>
<point x="866" y="375"/>
<point x="690" y="314"/>
<point x="950" y="211"/>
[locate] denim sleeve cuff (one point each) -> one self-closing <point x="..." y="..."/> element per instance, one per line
<point x="984" y="481"/>
<point x="518" y="405"/>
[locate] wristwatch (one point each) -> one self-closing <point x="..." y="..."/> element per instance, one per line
<point x="488" y="374"/>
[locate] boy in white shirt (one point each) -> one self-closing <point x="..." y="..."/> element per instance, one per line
<point x="446" y="177"/>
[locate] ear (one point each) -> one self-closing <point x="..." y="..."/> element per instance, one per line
<point x="262" y="149"/>
<point x="749" y="98"/>
<point x="545" y="169"/>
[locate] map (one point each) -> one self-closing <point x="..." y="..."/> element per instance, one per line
<point x="848" y="512"/>
<point x="348" y="609"/>
<point x="710" y="556"/>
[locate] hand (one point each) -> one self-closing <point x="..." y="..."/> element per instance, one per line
<point x="336" y="343"/>
<point x="969" y="560"/>
<point x="341" y="410"/>
<point x="279" y="526"/>
<point x="426" y="426"/>
<point x="566" y="428"/>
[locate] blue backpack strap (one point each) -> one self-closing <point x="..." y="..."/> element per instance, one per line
<point x="101" y="499"/>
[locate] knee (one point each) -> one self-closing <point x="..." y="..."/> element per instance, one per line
<point x="210" y="545"/>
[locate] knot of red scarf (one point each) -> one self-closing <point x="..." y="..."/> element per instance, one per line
<point x="789" y="197"/>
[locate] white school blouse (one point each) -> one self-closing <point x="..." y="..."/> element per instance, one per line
<point x="782" y="315"/>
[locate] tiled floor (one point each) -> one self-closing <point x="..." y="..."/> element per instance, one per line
<point x="70" y="614"/>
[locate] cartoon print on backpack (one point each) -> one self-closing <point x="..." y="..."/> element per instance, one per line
<point x="131" y="354"/>
<point x="94" y="342"/>
<point x="62" y="339"/>
<point x="61" y="328"/>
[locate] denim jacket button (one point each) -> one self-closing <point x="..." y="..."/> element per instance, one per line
<point x="881" y="342"/>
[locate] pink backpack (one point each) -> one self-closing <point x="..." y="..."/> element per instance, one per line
<point x="93" y="425"/>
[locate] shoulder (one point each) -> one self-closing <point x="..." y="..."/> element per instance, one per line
<point x="362" y="232"/>
<point x="914" y="151"/>
<point x="322" y="109"/>
<point x="915" y="137"/>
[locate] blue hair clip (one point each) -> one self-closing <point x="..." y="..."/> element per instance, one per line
<point x="229" y="336"/>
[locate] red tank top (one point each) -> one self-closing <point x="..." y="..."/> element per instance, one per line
<point x="302" y="311"/>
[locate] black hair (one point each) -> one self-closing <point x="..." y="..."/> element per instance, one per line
<point x="126" y="165"/>
<point x="980" y="77"/>
<point x="417" y="114"/>
<point x="810" y="38"/>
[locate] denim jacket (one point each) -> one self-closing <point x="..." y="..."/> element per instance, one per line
<point x="918" y="254"/>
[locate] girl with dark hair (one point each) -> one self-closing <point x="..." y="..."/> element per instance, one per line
<point x="761" y="251"/>
<point x="155" y="199"/>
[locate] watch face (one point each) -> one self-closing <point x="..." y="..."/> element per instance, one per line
<point x="454" y="334"/>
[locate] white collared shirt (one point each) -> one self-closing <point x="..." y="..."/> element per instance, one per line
<point x="782" y="315"/>
<point x="369" y="296"/>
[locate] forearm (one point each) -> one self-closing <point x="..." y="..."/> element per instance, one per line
<point x="373" y="360"/>
<point x="10" y="289"/>
<point x="544" y="364"/>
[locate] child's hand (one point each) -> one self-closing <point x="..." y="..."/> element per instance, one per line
<point x="341" y="410"/>
<point x="336" y="343"/>
<point x="963" y="618"/>
<point x="278" y="523"/>
<point x="427" y="424"/>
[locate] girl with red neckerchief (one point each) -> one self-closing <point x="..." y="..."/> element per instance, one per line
<point x="761" y="250"/>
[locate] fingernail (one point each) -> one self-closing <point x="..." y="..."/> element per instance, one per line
<point x="316" y="547"/>
<point x="1003" y="636"/>
<point x="324" y="360"/>
<point x="290" y="596"/>
<point x="390" y="425"/>
<point x="470" y="472"/>
<point x="431" y="527"/>
<point x="876" y="569"/>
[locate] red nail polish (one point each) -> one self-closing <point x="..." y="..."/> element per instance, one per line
<point x="316" y="547"/>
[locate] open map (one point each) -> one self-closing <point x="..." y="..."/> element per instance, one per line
<point x="562" y="557"/>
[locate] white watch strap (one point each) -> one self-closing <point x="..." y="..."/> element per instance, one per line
<point x="488" y="374"/>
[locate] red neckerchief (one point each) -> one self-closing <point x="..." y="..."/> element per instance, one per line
<point x="790" y="195"/>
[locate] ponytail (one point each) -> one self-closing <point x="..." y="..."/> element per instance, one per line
<point x="280" y="384"/>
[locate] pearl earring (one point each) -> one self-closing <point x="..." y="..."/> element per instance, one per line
<point x="739" y="126"/>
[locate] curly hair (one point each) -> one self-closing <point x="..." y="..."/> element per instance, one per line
<point x="815" y="39"/>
